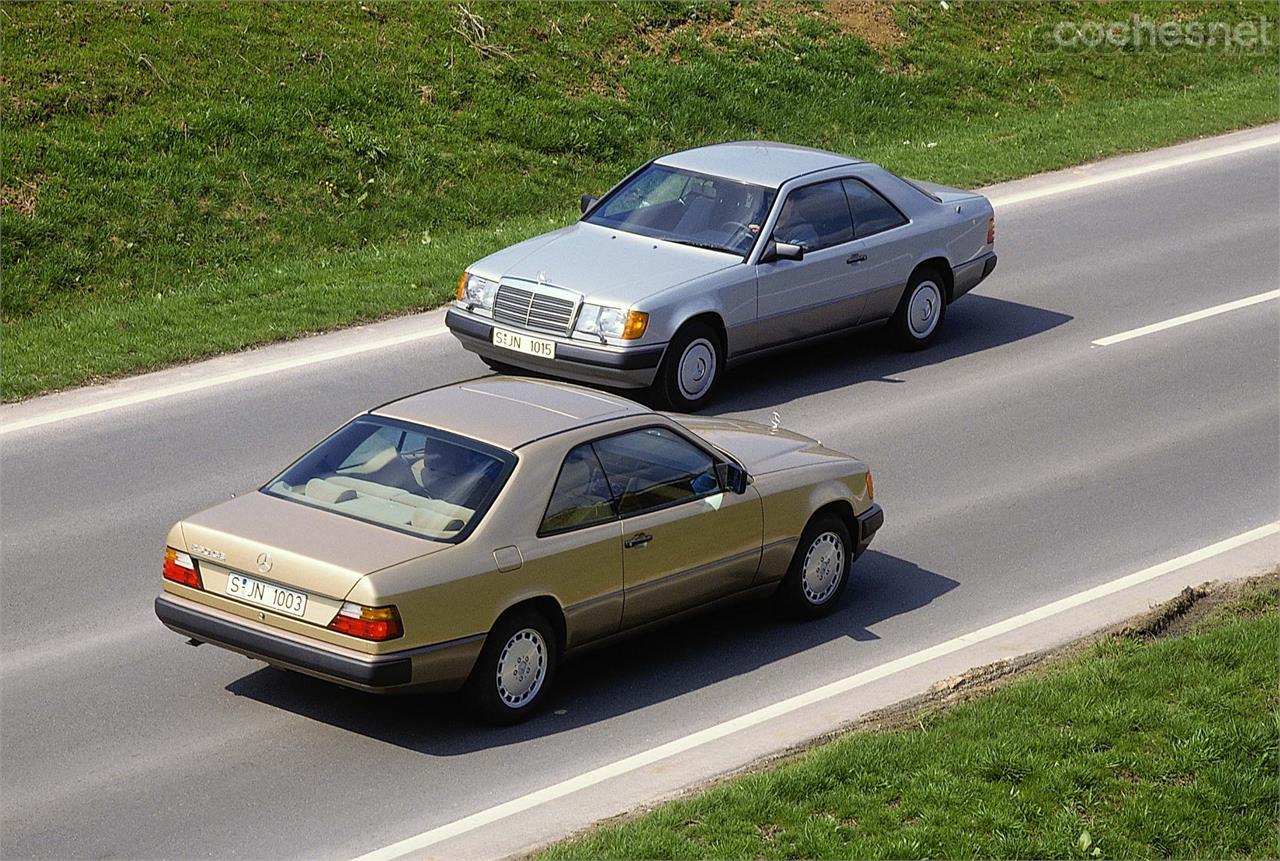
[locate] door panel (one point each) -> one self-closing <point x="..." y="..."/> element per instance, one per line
<point x="800" y="298"/>
<point x="698" y="551"/>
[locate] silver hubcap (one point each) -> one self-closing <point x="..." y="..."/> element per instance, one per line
<point x="924" y="309"/>
<point x="823" y="567"/>
<point x="697" y="369"/>
<point x="522" y="666"/>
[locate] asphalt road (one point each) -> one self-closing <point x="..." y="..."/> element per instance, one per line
<point x="1016" y="464"/>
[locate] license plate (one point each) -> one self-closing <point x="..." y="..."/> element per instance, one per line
<point x="540" y="347"/>
<point x="267" y="595"/>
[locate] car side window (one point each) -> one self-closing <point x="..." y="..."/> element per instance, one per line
<point x="871" y="212"/>
<point x="815" y="217"/>
<point x="581" y="496"/>
<point x="653" y="468"/>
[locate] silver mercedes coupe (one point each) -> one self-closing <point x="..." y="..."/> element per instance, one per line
<point x="705" y="258"/>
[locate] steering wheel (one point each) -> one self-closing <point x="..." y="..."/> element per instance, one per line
<point x="738" y="228"/>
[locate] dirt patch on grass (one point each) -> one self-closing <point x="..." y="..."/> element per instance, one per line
<point x="22" y="197"/>
<point x="870" y="20"/>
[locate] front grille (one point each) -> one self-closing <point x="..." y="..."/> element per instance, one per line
<point x="533" y="310"/>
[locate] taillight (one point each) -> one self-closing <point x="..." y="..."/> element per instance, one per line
<point x="181" y="568"/>
<point x="367" y="623"/>
<point x="991" y="230"/>
<point x="871" y="486"/>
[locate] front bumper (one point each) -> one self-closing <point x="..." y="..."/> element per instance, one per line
<point x="869" y="523"/>
<point x="626" y="367"/>
<point x="443" y="666"/>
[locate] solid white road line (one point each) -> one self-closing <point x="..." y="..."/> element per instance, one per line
<point x="219" y="380"/>
<point x="799" y="701"/>
<point x="1170" y="163"/>
<point x="1187" y="318"/>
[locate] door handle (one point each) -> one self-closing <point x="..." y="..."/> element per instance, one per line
<point x="639" y="540"/>
<point x="856" y="258"/>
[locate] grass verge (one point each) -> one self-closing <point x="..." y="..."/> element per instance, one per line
<point x="178" y="180"/>
<point x="1160" y="741"/>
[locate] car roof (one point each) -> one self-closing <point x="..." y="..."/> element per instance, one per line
<point x="757" y="162"/>
<point x="508" y="411"/>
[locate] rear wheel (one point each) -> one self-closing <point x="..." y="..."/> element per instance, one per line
<point x="513" y="674"/>
<point x="819" y="570"/>
<point x="920" y="313"/>
<point x="691" y="368"/>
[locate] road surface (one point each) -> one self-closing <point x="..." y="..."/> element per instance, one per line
<point x="1017" y="463"/>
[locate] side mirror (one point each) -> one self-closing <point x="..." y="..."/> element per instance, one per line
<point x="587" y="202"/>
<point x="732" y="477"/>
<point x="781" y="251"/>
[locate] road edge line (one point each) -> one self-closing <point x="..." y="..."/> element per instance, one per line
<point x="636" y="761"/>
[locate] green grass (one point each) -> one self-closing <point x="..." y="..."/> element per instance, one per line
<point x="1136" y="749"/>
<point x="184" y="179"/>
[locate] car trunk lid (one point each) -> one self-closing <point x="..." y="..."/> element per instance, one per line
<point x="295" y="545"/>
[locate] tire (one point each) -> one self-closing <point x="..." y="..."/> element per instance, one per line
<point x="691" y="368"/>
<point x="513" y="675"/>
<point x="921" y="311"/>
<point x="825" y="552"/>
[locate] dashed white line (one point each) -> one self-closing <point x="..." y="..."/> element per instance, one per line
<point x="712" y="733"/>
<point x="1187" y="318"/>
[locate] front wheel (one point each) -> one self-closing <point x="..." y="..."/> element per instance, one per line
<point x="920" y="313"/>
<point x="819" y="570"/>
<point x="513" y="674"/>
<point x="690" y="369"/>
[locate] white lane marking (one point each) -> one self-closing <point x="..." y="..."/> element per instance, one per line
<point x="1129" y="172"/>
<point x="1187" y="318"/>
<point x="218" y="380"/>
<point x="799" y="701"/>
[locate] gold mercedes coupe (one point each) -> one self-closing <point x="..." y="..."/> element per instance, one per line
<point x="470" y="536"/>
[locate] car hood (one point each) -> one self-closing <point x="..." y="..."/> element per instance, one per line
<point x="311" y="549"/>
<point x="761" y="449"/>
<point x="605" y="265"/>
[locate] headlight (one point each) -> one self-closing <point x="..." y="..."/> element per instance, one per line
<point x="477" y="292"/>
<point x="608" y="322"/>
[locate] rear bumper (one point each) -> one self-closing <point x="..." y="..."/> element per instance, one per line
<point x="444" y="666"/>
<point x="869" y="523"/>
<point x="627" y="367"/>
<point x="966" y="276"/>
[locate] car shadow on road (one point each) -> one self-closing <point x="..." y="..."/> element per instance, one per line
<point x="614" y="680"/>
<point x="974" y="323"/>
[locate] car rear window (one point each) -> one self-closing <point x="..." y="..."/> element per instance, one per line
<point x="402" y="476"/>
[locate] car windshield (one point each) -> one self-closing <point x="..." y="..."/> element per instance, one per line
<point x="415" y="479"/>
<point x="689" y="208"/>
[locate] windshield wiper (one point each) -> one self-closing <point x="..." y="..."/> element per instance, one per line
<point x="707" y="245"/>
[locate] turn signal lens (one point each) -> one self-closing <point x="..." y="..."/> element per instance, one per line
<point x="871" y="486"/>
<point x="991" y="230"/>
<point x="181" y="568"/>
<point x="462" y="286"/>
<point x="637" y="322"/>
<point x="368" y="623"/>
